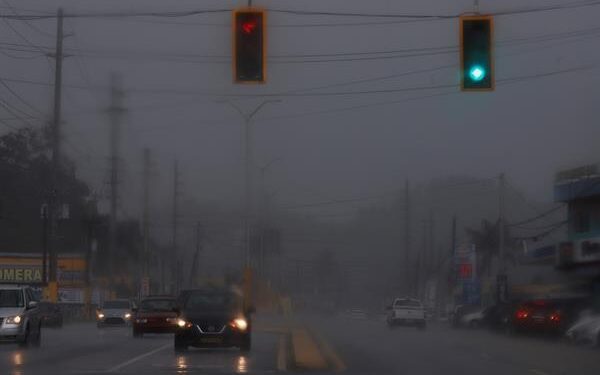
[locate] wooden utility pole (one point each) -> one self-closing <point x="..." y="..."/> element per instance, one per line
<point x="407" y="265"/>
<point x="174" y="227"/>
<point x="115" y="111"/>
<point x="146" y="214"/>
<point x="56" y="162"/>
<point x="195" y="262"/>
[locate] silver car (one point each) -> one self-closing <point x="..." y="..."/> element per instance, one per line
<point x="20" y="318"/>
<point x="115" y="312"/>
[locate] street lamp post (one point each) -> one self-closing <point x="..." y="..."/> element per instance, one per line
<point x="264" y="212"/>
<point x="248" y="157"/>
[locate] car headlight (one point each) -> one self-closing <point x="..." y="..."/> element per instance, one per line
<point x="100" y="316"/>
<point x="182" y="323"/>
<point x="127" y="315"/>
<point x="240" y="324"/>
<point x="15" y="320"/>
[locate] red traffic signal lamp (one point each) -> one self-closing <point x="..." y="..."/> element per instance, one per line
<point x="476" y="53"/>
<point x="249" y="47"/>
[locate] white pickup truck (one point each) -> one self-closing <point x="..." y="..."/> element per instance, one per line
<point x="406" y="311"/>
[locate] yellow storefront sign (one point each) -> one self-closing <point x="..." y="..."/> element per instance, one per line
<point x="20" y="274"/>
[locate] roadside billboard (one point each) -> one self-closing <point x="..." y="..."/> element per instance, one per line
<point x="27" y="269"/>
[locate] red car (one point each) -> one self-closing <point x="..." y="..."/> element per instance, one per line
<point x="551" y="316"/>
<point x="155" y="315"/>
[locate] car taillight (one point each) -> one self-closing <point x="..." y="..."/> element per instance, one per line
<point x="522" y="314"/>
<point x="555" y="317"/>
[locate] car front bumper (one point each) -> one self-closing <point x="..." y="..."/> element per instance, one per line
<point x="114" y="320"/>
<point x="193" y="336"/>
<point x="12" y="333"/>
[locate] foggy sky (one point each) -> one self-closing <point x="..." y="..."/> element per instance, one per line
<point x="527" y="130"/>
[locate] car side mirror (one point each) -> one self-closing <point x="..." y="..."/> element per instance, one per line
<point x="32" y="305"/>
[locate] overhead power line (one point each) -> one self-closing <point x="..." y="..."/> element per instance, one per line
<point x="188" y="13"/>
<point x="537" y="217"/>
<point x="508" y="12"/>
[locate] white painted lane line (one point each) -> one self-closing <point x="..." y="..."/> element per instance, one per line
<point x="139" y="357"/>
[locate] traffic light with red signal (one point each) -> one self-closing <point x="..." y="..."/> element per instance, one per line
<point x="249" y="45"/>
<point x="476" y="53"/>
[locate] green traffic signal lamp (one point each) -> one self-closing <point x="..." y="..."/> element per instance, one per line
<point x="477" y="73"/>
<point x="476" y="53"/>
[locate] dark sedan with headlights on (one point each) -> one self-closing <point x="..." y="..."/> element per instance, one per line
<point x="155" y="315"/>
<point x="213" y="317"/>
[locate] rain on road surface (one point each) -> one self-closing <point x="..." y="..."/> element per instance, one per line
<point x="361" y="347"/>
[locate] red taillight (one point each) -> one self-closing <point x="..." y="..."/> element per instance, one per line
<point x="555" y="317"/>
<point x="522" y="314"/>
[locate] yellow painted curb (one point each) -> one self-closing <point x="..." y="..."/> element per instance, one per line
<point x="307" y="355"/>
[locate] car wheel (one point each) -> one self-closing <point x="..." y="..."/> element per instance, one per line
<point x="25" y="342"/>
<point x="246" y="344"/>
<point x="179" y="345"/>
<point x="38" y="337"/>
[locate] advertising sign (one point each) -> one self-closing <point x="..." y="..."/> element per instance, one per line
<point x="27" y="269"/>
<point x="471" y="293"/>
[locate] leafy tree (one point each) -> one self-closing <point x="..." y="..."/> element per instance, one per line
<point x="26" y="181"/>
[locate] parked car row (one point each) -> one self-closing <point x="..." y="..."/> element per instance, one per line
<point x="564" y="317"/>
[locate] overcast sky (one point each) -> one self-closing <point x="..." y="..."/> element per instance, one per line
<point x="528" y="129"/>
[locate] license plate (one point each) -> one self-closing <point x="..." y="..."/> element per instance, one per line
<point x="211" y="340"/>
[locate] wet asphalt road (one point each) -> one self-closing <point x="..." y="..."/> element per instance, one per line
<point x="364" y="347"/>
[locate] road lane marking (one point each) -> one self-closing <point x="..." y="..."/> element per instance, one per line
<point x="332" y="356"/>
<point x="137" y="358"/>
<point x="282" y="353"/>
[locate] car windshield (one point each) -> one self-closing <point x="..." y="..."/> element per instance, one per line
<point x="407" y="303"/>
<point x="116" y="305"/>
<point x="11" y="298"/>
<point x="157" y="305"/>
<point x="199" y="301"/>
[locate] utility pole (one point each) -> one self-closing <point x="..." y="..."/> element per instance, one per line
<point x="115" y="111"/>
<point x="174" y="227"/>
<point x="431" y="250"/>
<point x="407" y="267"/>
<point x="146" y="214"/>
<point x="56" y="161"/>
<point x="501" y="193"/>
<point x="194" y="270"/>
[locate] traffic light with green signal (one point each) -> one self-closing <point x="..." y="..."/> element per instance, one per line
<point x="476" y="53"/>
<point x="249" y="45"/>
